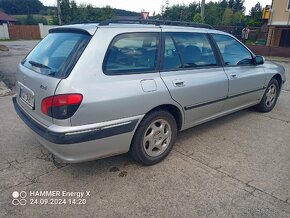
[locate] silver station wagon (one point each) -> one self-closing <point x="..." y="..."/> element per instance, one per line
<point x="89" y="91"/>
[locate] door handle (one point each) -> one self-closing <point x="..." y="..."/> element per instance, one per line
<point x="178" y="83"/>
<point x="234" y="76"/>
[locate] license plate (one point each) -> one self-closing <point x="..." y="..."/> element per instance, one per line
<point x="27" y="97"/>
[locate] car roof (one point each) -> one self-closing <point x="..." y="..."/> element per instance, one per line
<point x="92" y="27"/>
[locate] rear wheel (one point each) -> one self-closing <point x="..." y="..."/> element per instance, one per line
<point x="154" y="138"/>
<point x="270" y="97"/>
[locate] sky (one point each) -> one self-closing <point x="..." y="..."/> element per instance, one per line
<point x="148" y="5"/>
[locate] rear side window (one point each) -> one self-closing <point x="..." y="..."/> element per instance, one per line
<point x="195" y="49"/>
<point x="57" y="53"/>
<point x="233" y="52"/>
<point x="132" y="53"/>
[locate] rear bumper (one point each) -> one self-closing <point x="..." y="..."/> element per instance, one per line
<point x="83" y="143"/>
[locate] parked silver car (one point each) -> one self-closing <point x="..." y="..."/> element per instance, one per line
<point x="90" y="91"/>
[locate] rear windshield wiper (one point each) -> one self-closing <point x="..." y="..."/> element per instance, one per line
<point x="36" y="64"/>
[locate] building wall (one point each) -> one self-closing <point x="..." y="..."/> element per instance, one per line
<point x="4" y="34"/>
<point x="279" y="21"/>
<point x="280" y="13"/>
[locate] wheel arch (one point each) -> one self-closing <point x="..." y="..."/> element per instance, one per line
<point x="278" y="77"/>
<point x="174" y="110"/>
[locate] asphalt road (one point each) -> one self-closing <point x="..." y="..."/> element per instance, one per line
<point x="9" y="60"/>
<point x="235" y="166"/>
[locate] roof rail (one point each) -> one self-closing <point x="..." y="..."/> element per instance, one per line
<point x="155" y="22"/>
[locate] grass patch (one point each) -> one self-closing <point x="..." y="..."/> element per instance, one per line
<point x="250" y="42"/>
<point x="21" y="18"/>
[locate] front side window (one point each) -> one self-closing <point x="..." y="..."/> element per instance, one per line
<point x="233" y="52"/>
<point x="132" y="53"/>
<point x="195" y="50"/>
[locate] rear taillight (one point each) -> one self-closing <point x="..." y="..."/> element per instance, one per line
<point x="61" y="106"/>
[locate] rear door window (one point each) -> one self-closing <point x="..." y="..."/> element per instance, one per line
<point x="56" y="53"/>
<point x="171" y="60"/>
<point x="195" y="50"/>
<point x="132" y="53"/>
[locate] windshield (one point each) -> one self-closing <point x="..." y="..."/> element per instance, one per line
<point x="56" y="53"/>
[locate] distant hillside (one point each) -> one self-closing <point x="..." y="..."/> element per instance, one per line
<point x="20" y="7"/>
<point x="120" y="12"/>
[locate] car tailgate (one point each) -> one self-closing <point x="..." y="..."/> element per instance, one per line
<point x="39" y="86"/>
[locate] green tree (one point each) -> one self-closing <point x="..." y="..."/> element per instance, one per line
<point x="30" y="20"/>
<point x="21" y="6"/>
<point x="213" y="13"/>
<point x="162" y="9"/>
<point x="65" y="11"/>
<point x="167" y="4"/>
<point x="197" y="18"/>
<point x="176" y="12"/>
<point x="231" y="4"/>
<point x="227" y="17"/>
<point x="256" y="12"/>
<point x="254" y="19"/>
<point x="223" y="5"/>
<point x="237" y="18"/>
<point x="238" y="5"/>
<point x="92" y="12"/>
<point x="106" y="13"/>
<point x="74" y="13"/>
<point x="181" y="12"/>
<point x="82" y="12"/>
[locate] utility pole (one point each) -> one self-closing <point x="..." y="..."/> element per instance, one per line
<point x="202" y="10"/>
<point x="58" y="12"/>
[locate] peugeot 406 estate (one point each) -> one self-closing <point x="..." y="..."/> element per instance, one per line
<point x="89" y="91"/>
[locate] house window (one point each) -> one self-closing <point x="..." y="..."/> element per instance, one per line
<point x="288" y="5"/>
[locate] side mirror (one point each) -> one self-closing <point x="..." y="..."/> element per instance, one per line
<point x="259" y="60"/>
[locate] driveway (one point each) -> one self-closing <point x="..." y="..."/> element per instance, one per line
<point x="9" y="60"/>
<point x="235" y="166"/>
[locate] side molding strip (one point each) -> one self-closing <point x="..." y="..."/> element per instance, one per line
<point x="221" y="99"/>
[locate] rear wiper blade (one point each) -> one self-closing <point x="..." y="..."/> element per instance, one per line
<point x="36" y="64"/>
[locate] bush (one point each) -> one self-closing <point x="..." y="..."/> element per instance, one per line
<point x="30" y="19"/>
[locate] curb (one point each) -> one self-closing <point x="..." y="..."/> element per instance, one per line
<point x="277" y="59"/>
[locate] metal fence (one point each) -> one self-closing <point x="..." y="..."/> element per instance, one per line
<point x="258" y="34"/>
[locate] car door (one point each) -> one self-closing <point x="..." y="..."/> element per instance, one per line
<point x="193" y="75"/>
<point x="246" y="80"/>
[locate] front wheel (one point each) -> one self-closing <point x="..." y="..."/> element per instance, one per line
<point x="154" y="138"/>
<point x="270" y="97"/>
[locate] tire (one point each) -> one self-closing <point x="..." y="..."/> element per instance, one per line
<point x="270" y="97"/>
<point x="154" y="138"/>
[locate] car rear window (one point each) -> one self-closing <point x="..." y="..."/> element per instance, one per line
<point x="57" y="53"/>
